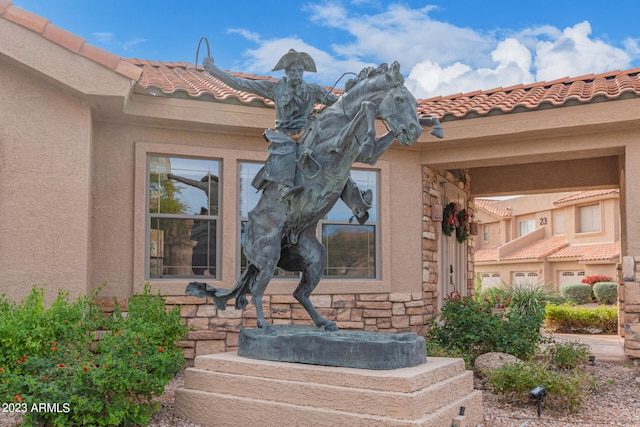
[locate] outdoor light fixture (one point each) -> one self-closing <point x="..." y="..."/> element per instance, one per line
<point x="592" y="360"/>
<point x="538" y="393"/>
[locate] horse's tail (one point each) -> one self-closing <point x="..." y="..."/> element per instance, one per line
<point x="222" y="296"/>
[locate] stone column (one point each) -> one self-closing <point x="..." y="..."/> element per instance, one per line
<point x="629" y="294"/>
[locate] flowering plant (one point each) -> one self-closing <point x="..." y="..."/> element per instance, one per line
<point x="49" y="357"/>
<point x="591" y="280"/>
<point x="455" y="220"/>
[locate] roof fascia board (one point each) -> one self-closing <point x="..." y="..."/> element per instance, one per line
<point x="56" y="64"/>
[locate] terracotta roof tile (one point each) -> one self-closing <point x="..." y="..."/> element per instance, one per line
<point x="486" y="255"/>
<point x="489" y="206"/>
<point x="590" y="252"/>
<point x="4" y="5"/>
<point x="555" y="248"/>
<point x="63" y="38"/>
<point x="66" y="39"/>
<point x="538" y="249"/>
<point x="560" y="92"/>
<point x="26" y="19"/>
<point x="175" y="78"/>
<point x="586" y="194"/>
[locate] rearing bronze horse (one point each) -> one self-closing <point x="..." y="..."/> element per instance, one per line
<point x="283" y="233"/>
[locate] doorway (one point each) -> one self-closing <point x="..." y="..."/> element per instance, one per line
<point x="452" y="267"/>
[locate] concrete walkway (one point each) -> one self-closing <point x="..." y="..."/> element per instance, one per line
<point x="607" y="348"/>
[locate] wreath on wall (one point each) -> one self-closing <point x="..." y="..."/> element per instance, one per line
<point x="457" y="221"/>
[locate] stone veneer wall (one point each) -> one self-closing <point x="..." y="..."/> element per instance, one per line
<point x="629" y="306"/>
<point x="214" y="331"/>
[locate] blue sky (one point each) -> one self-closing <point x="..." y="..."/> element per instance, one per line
<point x="444" y="47"/>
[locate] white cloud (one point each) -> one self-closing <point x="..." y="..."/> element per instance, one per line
<point x="110" y="39"/>
<point x="403" y="34"/>
<point x="128" y="45"/>
<point x="441" y="58"/>
<point x="632" y="47"/>
<point x="574" y="53"/>
<point x="513" y="59"/>
<point x="103" y="37"/>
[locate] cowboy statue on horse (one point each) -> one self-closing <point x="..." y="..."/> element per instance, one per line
<point x="308" y="170"/>
<point x="294" y="101"/>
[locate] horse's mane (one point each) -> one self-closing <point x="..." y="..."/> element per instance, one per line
<point x="393" y="75"/>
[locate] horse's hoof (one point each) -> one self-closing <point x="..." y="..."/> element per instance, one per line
<point x="331" y="327"/>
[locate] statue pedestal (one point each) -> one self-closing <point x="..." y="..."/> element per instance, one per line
<point x="226" y="389"/>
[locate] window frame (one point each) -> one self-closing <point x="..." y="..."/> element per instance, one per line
<point x="150" y="217"/>
<point x="596" y="207"/>
<point x="228" y="220"/>
<point x="320" y="228"/>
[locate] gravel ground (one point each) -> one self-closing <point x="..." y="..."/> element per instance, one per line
<point x="615" y="403"/>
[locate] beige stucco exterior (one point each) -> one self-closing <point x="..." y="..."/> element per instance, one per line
<point x="75" y="134"/>
<point x="556" y="223"/>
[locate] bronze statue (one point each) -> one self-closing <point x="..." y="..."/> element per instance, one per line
<point x="281" y="232"/>
<point x="294" y="101"/>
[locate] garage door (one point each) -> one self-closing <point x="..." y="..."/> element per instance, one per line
<point x="569" y="276"/>
<point x="524" y="277"/>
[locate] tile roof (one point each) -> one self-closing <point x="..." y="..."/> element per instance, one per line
<point x="540" y="95"/>
<point x="180" y="79"/>
<point x="581" y="195"/>
<point x="538" y="249"/>
<point x="67" y="40"/>
<point x="489" y="206"/>
<point x="590" y="252"/>
<point x="184" y="79"/>
<point x="486" y="255"/>
<point x="554" y="249"/>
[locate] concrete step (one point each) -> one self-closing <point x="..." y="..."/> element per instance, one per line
<point x="225" y="389"/>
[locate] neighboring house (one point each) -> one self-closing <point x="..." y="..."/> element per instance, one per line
<point x="88" y="141"/>
<point x="556" y="238"/>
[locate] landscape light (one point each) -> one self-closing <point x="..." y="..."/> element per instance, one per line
<point x="592" y="360"/>
<point x="538" y="393"/>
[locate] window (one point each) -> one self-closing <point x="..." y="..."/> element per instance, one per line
<point x="485" y="233"/>
<point x="351" y="247"/>
<point x="182" y="216"/>
<point x="558" y="224"/>
<point x="589" y="218"/>
<point x="527" y="226"/>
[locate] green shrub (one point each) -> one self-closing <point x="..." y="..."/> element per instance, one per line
<point x="49" y="356"/>
<point x="569" y="355"/>
<point x="565" y="389"/>
<point x="578" y="293"/>
<point x="530" y="296"/>
<point x="571" y="318"/>
<point x="470" y="328"/>
<point x="606" y="292"/>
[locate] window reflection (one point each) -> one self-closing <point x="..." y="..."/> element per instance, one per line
<point x="183" y="216"/>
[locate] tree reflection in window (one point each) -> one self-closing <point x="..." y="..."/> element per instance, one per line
<point x="183" y="216"/>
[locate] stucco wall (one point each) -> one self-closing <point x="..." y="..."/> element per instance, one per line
<point x="45" y="177"/>
<point x="119" y="212"/>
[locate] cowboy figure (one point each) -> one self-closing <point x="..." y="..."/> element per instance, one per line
<point x="294" y="101"/>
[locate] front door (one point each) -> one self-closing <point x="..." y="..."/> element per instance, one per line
<point x="452" y="275"/>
